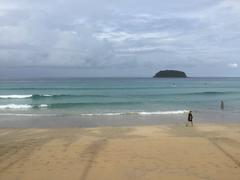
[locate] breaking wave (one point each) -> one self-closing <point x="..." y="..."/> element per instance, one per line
<point x="22" y="106"/>
<point x="15" y="96"/>
<point x="39" y="96"/>
<point x="137" y="113"/>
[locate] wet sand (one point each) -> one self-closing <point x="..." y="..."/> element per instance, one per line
<point x="206" y="151"/>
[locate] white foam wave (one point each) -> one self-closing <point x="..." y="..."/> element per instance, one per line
<point x="15" y="106"/>
<point x="164" y="112"/>
<point x="21" y="106"/>
<point x="22" y="96"/>
<point x="15" y="96"/>
<point x="139" y="113"/>
<point x="43" y="106"/>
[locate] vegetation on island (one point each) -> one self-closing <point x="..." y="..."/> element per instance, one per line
<point x="170" y="74"/>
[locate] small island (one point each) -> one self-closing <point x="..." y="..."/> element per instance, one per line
<point x="170" y="74"/>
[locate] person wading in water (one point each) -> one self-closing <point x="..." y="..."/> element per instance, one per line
<point x="222" y="105"/>
<point x="190" y="118"/>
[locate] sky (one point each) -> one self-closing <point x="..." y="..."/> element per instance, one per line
<point x="118" y="38"/>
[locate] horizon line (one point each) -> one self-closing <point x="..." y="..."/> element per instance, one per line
<point x="114" y="77"/>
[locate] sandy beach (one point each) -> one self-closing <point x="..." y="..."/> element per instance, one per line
<point x="206" y="151"/>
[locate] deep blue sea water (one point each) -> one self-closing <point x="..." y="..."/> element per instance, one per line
<point x="119" y="96"/>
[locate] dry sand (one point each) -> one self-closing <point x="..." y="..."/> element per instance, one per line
<point x="207" y="151"/>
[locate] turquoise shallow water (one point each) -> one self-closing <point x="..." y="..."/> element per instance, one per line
<point x="118" y="96"/>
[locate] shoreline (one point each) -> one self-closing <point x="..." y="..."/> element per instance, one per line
<point x="76" y="121"/>
<point x="206" y="151"/>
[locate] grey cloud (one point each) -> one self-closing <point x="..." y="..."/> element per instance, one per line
<point x="119" y="34"/>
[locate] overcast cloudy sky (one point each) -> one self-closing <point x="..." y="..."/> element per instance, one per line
<point x="45" y="38"/>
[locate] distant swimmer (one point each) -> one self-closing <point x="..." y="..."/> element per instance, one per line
<point x="190" y="118"/>
<point x="174" y="85"/>
<point x="222" y="105"/>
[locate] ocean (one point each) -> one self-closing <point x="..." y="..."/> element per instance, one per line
<point x="125" y="97"/>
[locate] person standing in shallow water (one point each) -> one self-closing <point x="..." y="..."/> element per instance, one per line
<point x="222" y="105"/>
<point x="190" y="118"/>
